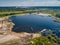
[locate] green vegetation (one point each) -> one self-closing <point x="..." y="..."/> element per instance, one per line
<point x="54" y="13"/>
<point x="57" y="20"/>
<point x="57" y="15"/>
<point x="49" y="40"/>
<point x="5" y="11"/>
<point x="43" y="40"/>
<point x="16" y="12"/>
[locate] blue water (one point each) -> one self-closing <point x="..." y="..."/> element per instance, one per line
<point x="34" y="23"/>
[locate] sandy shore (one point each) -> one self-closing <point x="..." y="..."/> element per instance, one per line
<point x="41" y="14"/>
<point x="8" y="38"/>
<point x="16" y="36"/>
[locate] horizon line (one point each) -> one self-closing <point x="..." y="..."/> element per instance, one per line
<point x="27" y="6"/>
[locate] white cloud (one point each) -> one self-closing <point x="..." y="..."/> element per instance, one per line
<point x="43" y="3"/>
<point x="30" y="3"/>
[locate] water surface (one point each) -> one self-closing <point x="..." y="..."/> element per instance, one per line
<point x="34" y="23"/>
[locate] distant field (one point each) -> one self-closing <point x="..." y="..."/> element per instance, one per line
<point x="5" y="11"/>
<point x="16" y="12"/>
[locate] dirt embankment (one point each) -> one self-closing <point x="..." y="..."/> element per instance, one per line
<point x="7" y="35"/>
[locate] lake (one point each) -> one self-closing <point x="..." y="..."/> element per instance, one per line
<point x="34" y="23"/>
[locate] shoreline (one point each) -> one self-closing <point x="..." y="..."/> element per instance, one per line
<point x="9" y="35"/>
<point x="19" y="37"/>
<point x="42" y="14"/>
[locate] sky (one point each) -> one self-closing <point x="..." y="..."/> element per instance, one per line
<point x="29" y="2"/>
